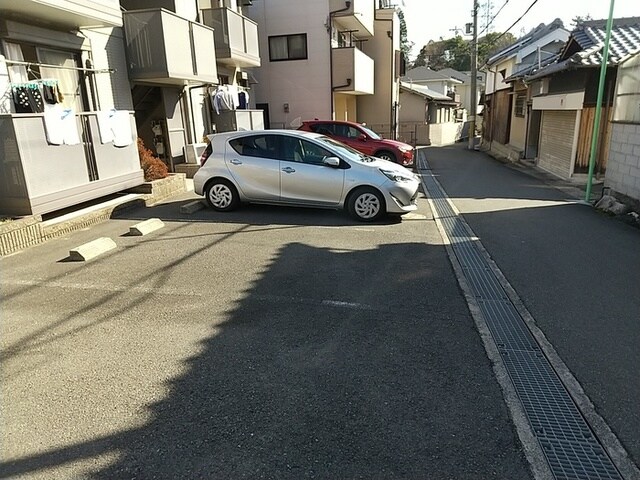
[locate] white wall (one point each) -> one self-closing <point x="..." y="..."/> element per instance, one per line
<point x="108" y="52"/>
<point x="495" y="81"/>
<point x="303" y="84"/>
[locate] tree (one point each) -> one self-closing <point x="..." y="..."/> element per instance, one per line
<point x="492" y="43"/>
<point x="458" y="53"/>
<point x="432" y="55"/>
<point x="455" y="52"/>
<point x="405" y="44"/>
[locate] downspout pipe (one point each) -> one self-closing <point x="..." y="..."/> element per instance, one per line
<point x="347" y="6"/>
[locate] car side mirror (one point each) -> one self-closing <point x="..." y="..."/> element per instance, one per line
<point x="362" y="138"/>
<point x="331" y="161"/>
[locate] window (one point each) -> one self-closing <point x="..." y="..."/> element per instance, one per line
<point x="313" y="154"/>
<point x="627" y="101"/>
<point x="521" y="102"/>
<point x="322" y="128"/>
<point x="67" y="78"/>
<point x="288" y="47"/>
<point x="263" y="146"/>
<point x="346" y="131"/>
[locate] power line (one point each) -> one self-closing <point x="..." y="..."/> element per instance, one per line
<point x="493" y="18"/>
<point x="495" y="40"/>
<point x="515" y="23"/>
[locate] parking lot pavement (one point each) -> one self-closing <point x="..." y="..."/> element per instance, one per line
<point x="264" y="343"/>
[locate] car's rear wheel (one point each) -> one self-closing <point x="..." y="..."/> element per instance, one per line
<point x="386" y="155"/>
<point x="221" y="195"/>
<point x="366" y="204"/>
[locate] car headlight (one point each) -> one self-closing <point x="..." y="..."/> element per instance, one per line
<point x="405" y="148"/>
<point x="396" y="176"/>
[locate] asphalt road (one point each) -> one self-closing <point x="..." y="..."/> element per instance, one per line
<point x="266" y="343"/>
<point x="575" y="269"/>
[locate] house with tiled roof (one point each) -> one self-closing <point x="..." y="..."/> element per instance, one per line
<point x="507" y="118"/>
<point x="565" y="97"/>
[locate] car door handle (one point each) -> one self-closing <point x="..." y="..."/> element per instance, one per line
<point x="236" y="162"/>
<point x="288" y="170"/>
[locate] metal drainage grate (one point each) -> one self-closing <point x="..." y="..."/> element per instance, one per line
<point x="569" y="444"/>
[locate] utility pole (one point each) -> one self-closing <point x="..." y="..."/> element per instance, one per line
<point x="596" y="120"/>
<point x="474" y="78"/>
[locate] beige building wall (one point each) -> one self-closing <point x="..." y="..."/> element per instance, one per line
<point x="518" y="131"/>
<point x="413" y="108"/>
<point x="377" y="110"/>
<point x="495" y="80"/>
<point x="346" y="107"/>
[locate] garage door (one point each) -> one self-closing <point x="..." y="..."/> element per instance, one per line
<point x="556" y="141"/>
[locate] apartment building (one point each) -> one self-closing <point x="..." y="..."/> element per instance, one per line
<point x="381" y="111"/>
<point x="181" y="54"/>
<point x="314" y="64"/>
<point x="75" y="74"/>
<point x="61" y="64"/>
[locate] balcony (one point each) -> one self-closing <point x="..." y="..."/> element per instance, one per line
<point x="236" y="37"/>
<point x="65" y="13"/>
<point x="232" y="120"/>
<point x="166" y="49"/>
<point x="352" y="71"/>
<point x="38" y="178"/>
<point x="359" y="17"/>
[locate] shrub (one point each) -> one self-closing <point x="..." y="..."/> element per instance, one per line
<point x="152" y="166"/>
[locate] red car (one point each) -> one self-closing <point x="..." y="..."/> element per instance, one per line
<point x="362" y="139"/>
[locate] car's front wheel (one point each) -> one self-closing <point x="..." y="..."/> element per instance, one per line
<point x="366" y="204"/>
<point x="221" y="195"/>
<point x="386" y="155"/>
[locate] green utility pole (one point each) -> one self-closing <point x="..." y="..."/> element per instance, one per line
<point x="596" y="120"/>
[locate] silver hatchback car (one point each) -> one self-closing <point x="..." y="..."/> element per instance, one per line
<point x="291" y="167"/>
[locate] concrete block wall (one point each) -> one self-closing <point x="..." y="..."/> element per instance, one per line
<point x="623" y="167"/>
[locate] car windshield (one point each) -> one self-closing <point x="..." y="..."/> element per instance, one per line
<point x="346" y="152"/>
<point x="371" y="133"/>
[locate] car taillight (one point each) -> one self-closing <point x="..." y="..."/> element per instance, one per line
<point x="206" y="154"/>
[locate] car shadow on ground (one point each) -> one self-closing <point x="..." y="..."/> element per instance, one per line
<point x="251" y="214"/>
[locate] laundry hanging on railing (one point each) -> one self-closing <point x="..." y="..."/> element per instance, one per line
<point x="115" y="126"/>
<point x="243" y="100"/>
<point x="60" y="125"/>
<point x="30" y="97"/>
<point x="222" y="99"/>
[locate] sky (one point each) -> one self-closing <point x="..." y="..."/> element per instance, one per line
<point x="428" y="20"/>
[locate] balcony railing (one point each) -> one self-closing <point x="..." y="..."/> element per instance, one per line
<point x="37" y="178"/>
<point x="236" y="37"/>
<point x="359" y="16"/>
<point x="164" y="48"/>
<point x="70" y="13"/>
<point x="232" y="120"/>
<point x="353" y="71"/>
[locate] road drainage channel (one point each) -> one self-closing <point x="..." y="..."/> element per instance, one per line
<point x="571" y="449"/>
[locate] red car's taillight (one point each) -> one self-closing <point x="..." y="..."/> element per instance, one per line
<point x="206" y="154"/>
